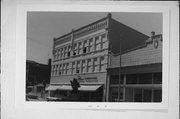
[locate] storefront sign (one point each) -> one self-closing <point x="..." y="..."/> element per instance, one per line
<point x="88" y="79"/>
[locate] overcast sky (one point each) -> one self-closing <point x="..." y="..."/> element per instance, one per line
<point x="42" y="27"/>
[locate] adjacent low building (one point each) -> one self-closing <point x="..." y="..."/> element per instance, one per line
<point x="37" y="77"/>
<point x="85" y="54"/>
<point x="135" y="75"/>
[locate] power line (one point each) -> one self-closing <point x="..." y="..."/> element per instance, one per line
<point x="40" y="43"/>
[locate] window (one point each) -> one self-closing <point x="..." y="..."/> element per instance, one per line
<point x="73" y="68"/>
<point x="91" y="43"/>
<point x="104" y="41"/>
<point x="67" y="68"/>
<point x="55" y="70"/>
<point x="78" y="67"/>
<point x="113" y="94"/>
<point x="95" y="65"/>
<point x="69" y="51"/>
<point x="55" y="54"/>
<point x="85" y="47"/>
<point x="65" y="52"/>
<point x="157" y="96"/>
<point x="52" y="70"/>
<point x="62" y="53"/>
<point x="132" y="79"/>
<point x="97" y="43"/>
<point x="114" y="79"/>
<point x="59" y="54"/>
<point x="75" y="49"/>
<point x="83" y="66"/>
<point x="138" y="87"/>
<point x="89" y="65"/>
<point x="84" y="50"/>
<point x="103" y="63"/>
<point x="157" y="78"/>
<point x="60" y="69"/>
<point x="145" y="78"/>
<point x="80" y="48"/>
<point x="63" y="69"/>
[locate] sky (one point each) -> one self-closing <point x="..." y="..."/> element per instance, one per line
<point x="42" y="27"/>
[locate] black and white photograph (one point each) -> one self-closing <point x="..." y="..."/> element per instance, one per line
<point x="89" y="60"/>
<point x="94" y="57"/>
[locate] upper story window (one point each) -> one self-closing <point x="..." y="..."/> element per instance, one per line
<point x="80" y="48"/>
<point x="59" y="53"/>
<point x="73" y="68"/>
<point x="69" y="51"/>
<point x="75" y="49"/>
<point x="85" y="46"/>
<point x="78" y="67"/>
<point x="83" y="70"/>
<point x="62" y="53"/>
<point x="95" y="65"/>
<point x="65" y="52"/>
<point x="89" y="65"/>
<point x="97" y="43"/>
<point x="91" y="45"/>
<point x="60" y="69"/>
<point x="103" y="63"/>
<point x="104" y="43"/>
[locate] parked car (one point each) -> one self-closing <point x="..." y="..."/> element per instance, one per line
<point x="54" y="99"/>
<point x="32" y="97"/>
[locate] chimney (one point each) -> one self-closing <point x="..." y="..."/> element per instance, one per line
<point x="152" y="34"/>
<point x="49" y="62"/>
<point x="109" y="15"/>
<point x="150" y="39"/>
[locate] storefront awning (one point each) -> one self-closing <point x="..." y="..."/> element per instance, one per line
<point x="52" y="88"/>
<point x="81" y="88"/>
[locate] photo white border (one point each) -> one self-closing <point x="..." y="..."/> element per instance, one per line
<point x="21" y="28"/>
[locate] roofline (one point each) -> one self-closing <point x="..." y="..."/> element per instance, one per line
<point x="136" y="48"/>
<point x="76" y="30"/>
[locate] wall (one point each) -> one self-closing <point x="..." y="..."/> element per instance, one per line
<point x="144" y="55"/>
<point x="130" y="38"/>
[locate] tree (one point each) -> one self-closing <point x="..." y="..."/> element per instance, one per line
<point x="75" y="85"/>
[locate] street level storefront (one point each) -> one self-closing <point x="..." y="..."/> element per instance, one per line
<point x="91" y="87"/>
<point x="136" y="75"/>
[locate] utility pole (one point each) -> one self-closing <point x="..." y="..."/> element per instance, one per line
<point x="119" y="86"/>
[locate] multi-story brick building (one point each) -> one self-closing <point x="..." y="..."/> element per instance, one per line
<point x="136" y="75"/>
<point x="84" y="54"/>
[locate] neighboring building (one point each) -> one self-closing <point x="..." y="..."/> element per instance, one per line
<point x="37" y="77"/>
<point x="84" y="54"/>
<point x="136" y="75"/>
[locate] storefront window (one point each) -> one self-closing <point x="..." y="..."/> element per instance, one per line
<point x="157" y="78"/>
<point x="157" y="96"/>
<point x="145" y="78"/>
<point x="132" y="79"/>
<point x="113" y="94"/>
